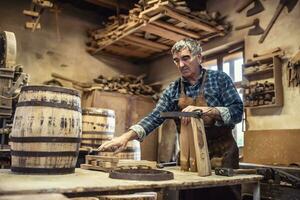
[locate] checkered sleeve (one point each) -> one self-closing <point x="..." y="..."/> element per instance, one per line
<point x="165" y="104"/>
<point x="230" y="99"/>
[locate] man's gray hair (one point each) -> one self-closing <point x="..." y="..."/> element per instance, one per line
<point x="192" y="45"/>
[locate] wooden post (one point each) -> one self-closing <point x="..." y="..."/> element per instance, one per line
<point x="201" y="148"/>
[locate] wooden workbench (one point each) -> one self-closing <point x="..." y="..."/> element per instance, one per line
<point x="86" y="181"/>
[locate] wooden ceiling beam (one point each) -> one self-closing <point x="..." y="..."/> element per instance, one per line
<point x="112" y="4"/>
<point x="175" y="29"/>
<point x="147" y="42"/>
<point x="126" y="52"/>
<point x="191" y="22"/>
<point x="156" y="30"/>
<point x="130" y="42"/>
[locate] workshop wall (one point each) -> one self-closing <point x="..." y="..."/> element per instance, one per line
<point x="285" y="34"/>
<point x="43" y="51"/>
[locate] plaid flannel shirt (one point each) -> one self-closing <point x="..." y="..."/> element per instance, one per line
<point x="219" y="92"/>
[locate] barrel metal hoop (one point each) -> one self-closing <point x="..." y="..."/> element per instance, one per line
<point x="43" y="170"/>
<point x="44" y="154"/>
<point x="48" y="104"/>
<point x="98" y="132"/>
<point x="51" y="89"/>
<point x="97" y="114"/>
<point x="45" y="139"/>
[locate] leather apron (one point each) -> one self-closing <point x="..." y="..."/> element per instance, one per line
<point x="222" y="148"/>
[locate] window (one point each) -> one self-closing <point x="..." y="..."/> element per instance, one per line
<point x="231" y="64"/>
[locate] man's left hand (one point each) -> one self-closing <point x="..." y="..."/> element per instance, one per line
<point x="210" y="114"/>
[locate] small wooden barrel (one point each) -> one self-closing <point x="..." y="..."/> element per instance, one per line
<point x="132" y="151"/>
<point x="46" y="131"/>
<point x="98" y="126"/>
<point x="135" y="196"/>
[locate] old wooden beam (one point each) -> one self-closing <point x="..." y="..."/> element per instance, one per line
<point x="126" y="52"/>
<point x="147" y="42"/>
<point x="176" y="29"/>
<point x="127" y="41"/>
<point x="156" y="30"/>
<point x="112" y="4"/>
<point x="197" y="24"/>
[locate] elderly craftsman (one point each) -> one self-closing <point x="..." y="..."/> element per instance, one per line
<point x="211" y="91"/>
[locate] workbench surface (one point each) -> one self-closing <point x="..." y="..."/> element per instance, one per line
<point x="96" y="181"/>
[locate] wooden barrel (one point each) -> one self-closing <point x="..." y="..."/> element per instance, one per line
<point x="135" y="196"/>
<point x="46" y="131"/>
<point x="98" y="126"/>
<point x="132" y="151"/>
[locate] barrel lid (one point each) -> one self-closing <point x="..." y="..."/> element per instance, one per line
<point x="98" y="111"/>
<point x="51" y="89"/>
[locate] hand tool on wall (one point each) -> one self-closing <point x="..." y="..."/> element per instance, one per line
<point x="256" y="30"/>
<point x="196" y="129"/>
<point x="290" y="4"/>
<point x="258" y="7"/>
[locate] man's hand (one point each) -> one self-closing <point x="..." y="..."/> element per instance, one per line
<point x="209" y="114"/>
<point x="118" y="144"/>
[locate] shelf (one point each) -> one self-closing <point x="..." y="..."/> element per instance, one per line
<point x="152" y="31"/>
<point x="275" y="73"/>
<point x="264" y="106"/>
<point x="260" y="72"/>
<point x="261" y="93"/>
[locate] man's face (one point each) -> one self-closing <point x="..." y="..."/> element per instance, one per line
<point x="187" y="64"/>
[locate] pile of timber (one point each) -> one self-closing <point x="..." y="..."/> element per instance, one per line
<point x="154" y="26"/>
<point x="125" y="84"/>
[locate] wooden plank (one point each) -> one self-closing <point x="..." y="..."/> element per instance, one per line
<point x="31" y="13"/>
<point x="140" y="45"/>
<point x="201" y="148"/>
<point x="94" y="181"/>
<point x="156" y="30"/>
<point x="31" y="25"/>
<point x="112" y="4"/>
<point x="147" y="42"/>
<point x="176" y="29"/>
<point x="126" y="51"/>
<point x="34" y="197"/>
<point x="194" y="23"/>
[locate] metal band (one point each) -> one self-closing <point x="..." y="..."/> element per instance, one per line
<point x="45" y="139"/>
<point x="95" y="112"/>
<point x="51" y="89"/>
<point x="44" y="154"/>
<point x="96" y="139"/>
<point x="49" y="104"/>
<point x="43" y="170"/>
<point x="98" y="132"/>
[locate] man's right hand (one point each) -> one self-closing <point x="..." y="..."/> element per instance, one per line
<point x="118" y="144"/>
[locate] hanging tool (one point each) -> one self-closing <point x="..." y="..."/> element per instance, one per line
<point x="258" y="7"/>
<point x="256" y="30"/>
<point x="290" y="4"/>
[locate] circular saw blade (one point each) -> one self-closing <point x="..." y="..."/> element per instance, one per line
<point x="8" y="49"/>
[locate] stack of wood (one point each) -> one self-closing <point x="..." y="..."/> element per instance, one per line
<point x="125" y="84"/>
<point x="260" y="94"/>
<point x="109" y="163"/>
<point x="153" y="27"/>
<point x="37" y="9"/>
